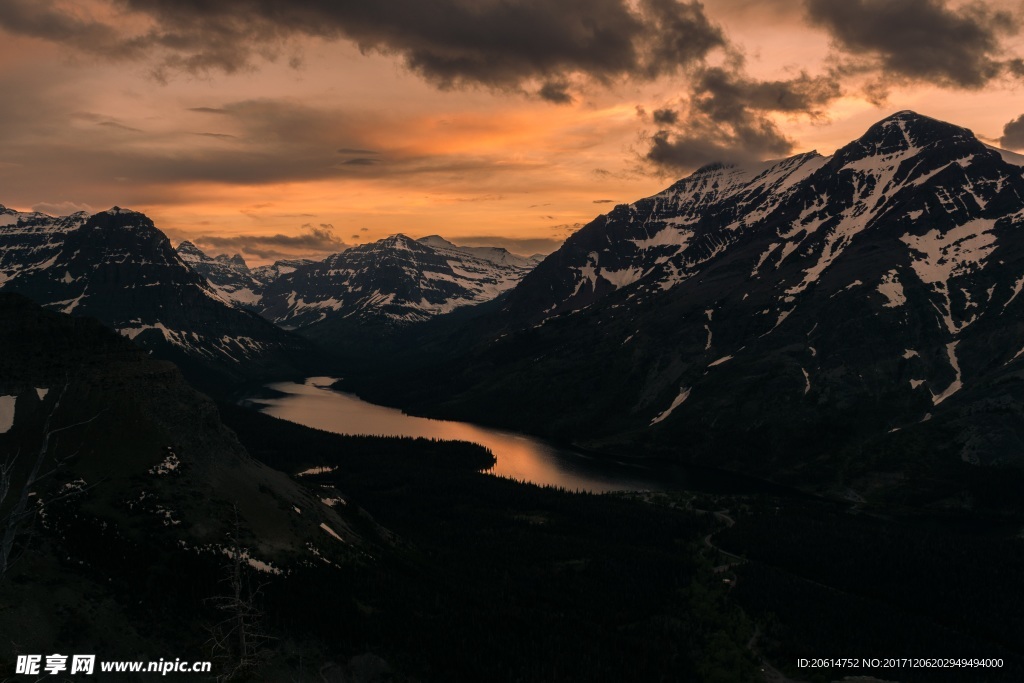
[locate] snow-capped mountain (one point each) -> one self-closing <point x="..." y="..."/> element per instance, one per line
<point x="397" y="280"/>
<point x="767" y="317"/>
<point x="267" y="274"/>
<point x="229" y="276"/>
<point x="29" y="241"/>
<point x="118" y="267"/>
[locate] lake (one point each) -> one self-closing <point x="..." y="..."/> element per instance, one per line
<point x="520" y="457"/>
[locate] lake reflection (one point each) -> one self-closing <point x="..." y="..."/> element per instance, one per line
<point x="519" y="457"/>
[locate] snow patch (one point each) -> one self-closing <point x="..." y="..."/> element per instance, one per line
<point x="331" y="531"/>
<point x="892" y="290"/>
<point x="684" y="393"/>
<point x="958" y="251"/>
<point x="323" y="469"/>
<point x="169" y="464"/>
<point x="258" y="565"/>
<point x="957" y="383"/>
<point x="621" y="278"/>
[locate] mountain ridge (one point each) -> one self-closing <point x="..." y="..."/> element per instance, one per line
<point x="118" y="267"/>
<point x="868" y="297"/>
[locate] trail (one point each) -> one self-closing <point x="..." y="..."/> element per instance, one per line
<point x="770" y="673"/>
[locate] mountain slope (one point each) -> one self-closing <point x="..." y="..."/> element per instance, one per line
<point x="133" y="430"/>
<point x="118" y="267"/>
<point x="229" y="276"/>
<point x="143" y="499"/>
<point x="810" y="319"/>
<point x="28" y="241"/>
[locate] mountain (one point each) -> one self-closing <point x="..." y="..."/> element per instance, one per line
<point x="118" y="267"/>
<point x="130" y="498"/>
<point x="229" y="276"/>
<point x="29" y="241"/>
<point x="850" y="322"/>
<point x="396" y="281"/>
<point x="141" y="432"/>
<point x="267" y="274"/>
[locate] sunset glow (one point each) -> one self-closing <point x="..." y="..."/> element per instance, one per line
<point x="337" y="129"/>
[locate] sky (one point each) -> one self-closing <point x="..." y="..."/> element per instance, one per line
<point x="295" y="128"/>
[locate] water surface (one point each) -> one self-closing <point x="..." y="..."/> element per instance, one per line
<point x="519" y="457"/>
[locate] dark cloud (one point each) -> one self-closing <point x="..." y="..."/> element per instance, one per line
<point x="221" y="136"/>
<point x="118" y="126"/>
<point x="665" y="116"/>
<point x="604" y="201"/>
<point x="319" y="240"/>
<point x="725" y="118"/>
<point x="679" y="34"/>
<point x="452" y="43"/>
<point x="744" y="141"/>
<point x="359" y="161"/>
<point x="556" y="92"/>
<point x="921" y="40"/>
<point x="45" y="19"/>
<point x="1013" y="134"/>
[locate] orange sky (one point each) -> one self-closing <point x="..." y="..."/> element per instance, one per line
<point x="346" y="145"/>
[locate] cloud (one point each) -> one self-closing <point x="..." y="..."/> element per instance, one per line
<point x="921" y="40"/>
<point x="604" y="201"/>
<point x="526" y="246"/>
<point x="118" y="126"/>
<point x="1013" y="134"/>
<point x="726" y="117"/>
<point x="48" y="20"/>
<point x="665" y="116"/>
<point x="451" y="43"/>
<point x="556" y="92"/>
<point x="318" y="240"/>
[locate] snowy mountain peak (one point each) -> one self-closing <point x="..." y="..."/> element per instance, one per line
<point x="397" y="241"/>
<point x="397" y="280"/>
<point x="436" y="241"/>
<point x="229" y="276"/>
<point x="189" y="251"/>
<point x="906" y="132"/>
<point x="235" y="261"/>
